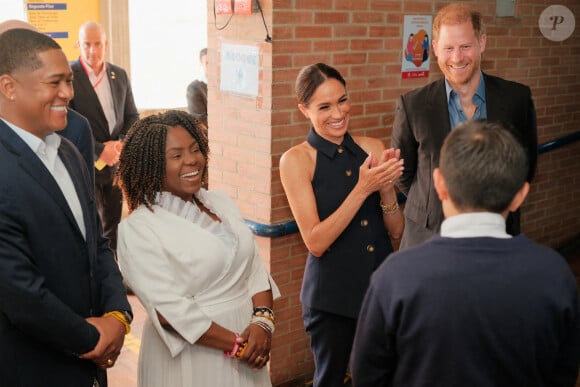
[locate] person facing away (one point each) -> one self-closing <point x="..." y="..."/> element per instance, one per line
<point x="193" y="263"/>
<point x="103" y="95"/>
<point x="197" y="92"/>
<point x="340" y="189"/>
<point x="77" y="130"/>
<point x="474" y="306"/>
<point x="63" y="308"/>
<point x="425" y="116"/>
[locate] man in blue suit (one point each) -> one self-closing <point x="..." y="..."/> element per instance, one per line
<point x="63" y="308"/>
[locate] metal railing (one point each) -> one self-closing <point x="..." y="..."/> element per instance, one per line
<point x="290" y="227"/>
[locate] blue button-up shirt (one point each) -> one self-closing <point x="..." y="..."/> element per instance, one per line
<point x="456" y="114"/>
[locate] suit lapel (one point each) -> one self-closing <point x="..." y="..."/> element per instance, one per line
<point x="34" y="167"/>
<point x="66" y="154"/>
<point x="86" y="90"/>
<point x="496" y="106"/>
<point x="116" y="91"/>
<point x="439" y="111"/>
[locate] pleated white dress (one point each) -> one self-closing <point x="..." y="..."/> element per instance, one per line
<point x="193" y="270"/>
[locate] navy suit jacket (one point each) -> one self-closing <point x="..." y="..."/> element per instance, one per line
<point x="78" y="131"/>
<point x="86" y="102"/>
<point x="51" y="278"/>
<point x="421" y="125"/>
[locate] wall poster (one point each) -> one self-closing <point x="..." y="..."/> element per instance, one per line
<point x="416" y="50"/>
<point x="61" y="20"/>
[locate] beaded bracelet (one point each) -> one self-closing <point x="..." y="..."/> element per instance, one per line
<point x="241" y="350"/>
<point x="389" y="209"/>
<point x="264" y="323"/>
<point x="235" y="349"/>
<point x="264" y="311"/>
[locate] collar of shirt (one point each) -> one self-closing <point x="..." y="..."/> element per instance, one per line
<point x="474" y="224"/>
<point x="456" y="114"/>
<point x="46" y="150"/>
<point x="330" y="149"/>
<point x="95" y="79"/>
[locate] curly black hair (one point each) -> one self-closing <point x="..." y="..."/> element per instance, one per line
<point x="141" y="171"/>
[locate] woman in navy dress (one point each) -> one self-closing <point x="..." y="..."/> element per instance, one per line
<point x="341" y="192"/>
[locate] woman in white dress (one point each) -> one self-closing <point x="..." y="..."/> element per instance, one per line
<point x="189" y="257"/>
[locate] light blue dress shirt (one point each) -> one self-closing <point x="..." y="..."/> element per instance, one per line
<point x="456" y="114"/>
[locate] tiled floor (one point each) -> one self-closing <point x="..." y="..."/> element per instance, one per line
<point x="124" y="373"/>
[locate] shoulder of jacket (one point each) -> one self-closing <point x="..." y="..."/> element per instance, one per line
<point x="429" y="88"/>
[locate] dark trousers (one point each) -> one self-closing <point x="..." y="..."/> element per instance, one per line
<point x="110" y="205"/>
<point x="331" y="338"/>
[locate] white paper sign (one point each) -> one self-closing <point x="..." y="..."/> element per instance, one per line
<point x="240" y="67"/>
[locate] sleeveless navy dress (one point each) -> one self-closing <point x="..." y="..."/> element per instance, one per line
<point x="337" y="281"/>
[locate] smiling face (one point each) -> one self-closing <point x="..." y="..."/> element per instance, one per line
<point x="458" y="51"/>
<point x="184" y="164"/>
<point x="328" y="110"/>
<point x="39" y="98"/>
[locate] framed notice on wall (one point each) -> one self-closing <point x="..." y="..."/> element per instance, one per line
<point x="240" y="68"/>
<point x="61" y="20"/>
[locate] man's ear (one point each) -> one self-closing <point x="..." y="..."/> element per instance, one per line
<point x="519" y="197"/>
<point x="440" y="186"/>
<point x="7" y="85"/>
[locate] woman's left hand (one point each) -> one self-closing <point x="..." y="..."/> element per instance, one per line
<point x="391" y="159"/>
<point x="257" y="352"/>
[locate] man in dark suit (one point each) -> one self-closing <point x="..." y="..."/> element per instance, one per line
<point x="77" y="130"/>
<point x="425" y="116"/>
<point x="63" y="308"/>
<point x="473" y="306"/>
<point x="103" y="95"/>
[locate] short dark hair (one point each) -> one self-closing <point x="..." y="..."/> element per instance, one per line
<point x="483" y="165"/>
<point x="310" y="77"/>
<point x="141" y="171"/>
<point x="19" y="49"/>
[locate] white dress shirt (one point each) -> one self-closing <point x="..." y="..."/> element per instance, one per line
<point x="102" y="87"/>
<point x="474" y="224"/>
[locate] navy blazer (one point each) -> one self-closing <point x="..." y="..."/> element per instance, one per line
<point x="51" y="278"/>
<point x="422" y="123"/>
<point x="86" y="102"/>
<point x="78" y="131"/>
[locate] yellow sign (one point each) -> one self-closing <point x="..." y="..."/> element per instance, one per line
<point x="62" y="20"/>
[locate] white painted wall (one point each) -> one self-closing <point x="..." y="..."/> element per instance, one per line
<point x="166" y="37"/>
<point x="12" y="9"/>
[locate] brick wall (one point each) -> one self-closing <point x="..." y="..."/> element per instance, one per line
<point x="363" y="40"/>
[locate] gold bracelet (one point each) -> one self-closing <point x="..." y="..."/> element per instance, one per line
<point x="119" y="317"/>
<point x="391" y="209"/>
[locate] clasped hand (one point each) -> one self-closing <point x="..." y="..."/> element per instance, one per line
<point x="111" y="152"/>
<point x="108" y="348"/>
<point x="259" y="342"/>
<point x="381" y="174"/>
